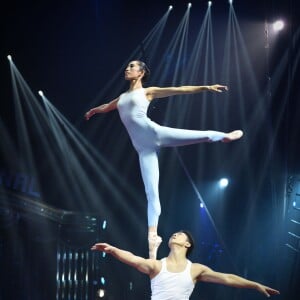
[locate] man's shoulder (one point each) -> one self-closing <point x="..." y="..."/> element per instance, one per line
<point x="197" y="270"/>
<point x="157" y="265"/>
<point x="197" y="266"/>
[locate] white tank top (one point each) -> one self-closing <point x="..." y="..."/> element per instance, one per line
<point x="170" y="285"/>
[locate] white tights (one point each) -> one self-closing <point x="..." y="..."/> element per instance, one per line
<point x="148" y="158"/>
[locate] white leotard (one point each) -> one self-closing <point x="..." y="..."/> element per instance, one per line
<point x="147" y="136"/>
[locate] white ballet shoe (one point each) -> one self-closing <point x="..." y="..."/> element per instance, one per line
<point x="232" y="136"/>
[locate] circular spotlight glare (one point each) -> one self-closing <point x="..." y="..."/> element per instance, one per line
<point x="230" y="1"/>
<point x="9" y="57"/>
<point x="201" y="205"/>
<point x="209" y="3"/>
<point x="223" y="182"/>
<point x="101" y="293"/>
<point x="278" y="25"/>
<point x="190" y="5"/>
<point x="170" y="7"/>
<point x="41" y="93"/>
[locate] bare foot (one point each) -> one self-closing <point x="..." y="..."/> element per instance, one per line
<point x="232" y="136"/>
<point x="154" y="243"/>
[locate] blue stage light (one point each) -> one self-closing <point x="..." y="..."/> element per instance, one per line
<point x="223" y="182"/>
<point x="104" y="224"/>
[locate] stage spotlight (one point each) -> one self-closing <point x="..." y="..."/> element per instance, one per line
<point x="230" y="1"/>
<point x="209" y="3"/>
<point x="170" y="7"/>
<point x="294" y="204"/>
<point x="9" y="57"/>
<point x="278" y="25"/>
<point x="101" y="293"/>
<point x="41" y="93"/>
<point x="201" y="205"/>
<point x="104" y="224"/>
<point x="223" y="183"/>
<point x="190" y="5"/>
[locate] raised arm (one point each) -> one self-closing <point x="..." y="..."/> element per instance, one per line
<point x="104" y="108"/>
<point x="146" y="266"/>
<point x="158" y="92"/>
<point x="208" y="275"/>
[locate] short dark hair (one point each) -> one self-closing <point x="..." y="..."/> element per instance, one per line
<point x="144" y="68"/>
<point x="190" y="240"/>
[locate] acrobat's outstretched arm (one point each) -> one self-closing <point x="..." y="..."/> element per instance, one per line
<point x="208" y="275"/>
<point x="159" y="92"/>
<point x="143" y="265"/>
<point x="104" y="108"/>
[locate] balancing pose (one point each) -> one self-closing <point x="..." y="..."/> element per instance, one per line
<point x="147" y="136"/>
<point x="174" y="277"/>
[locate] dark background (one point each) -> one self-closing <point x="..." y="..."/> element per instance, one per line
<point x="71" y="50"/>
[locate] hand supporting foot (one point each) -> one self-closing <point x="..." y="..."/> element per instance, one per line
<point x="154" y="242"/>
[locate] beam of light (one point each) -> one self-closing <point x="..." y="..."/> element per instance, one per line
<point x="209" y="3"/>
<point x="175" y="57"/>
<point x="151" y="42"/>
<point x="236" y="55"/>
<point x="230" y="1"/>
<point x="9" y="57"/>
<point x="202" y="203"/>
<point x="223" y="183"/>
<point x="90" y="154"/>
<point x="210" y="68"/>
<point x="41" y="93"/>
<point x="278" y="25"/>
<point x="21" y="91"/>
<point x="76" y="166"/>
<point x="202" y="65"/>
<point x="189" y="5"/>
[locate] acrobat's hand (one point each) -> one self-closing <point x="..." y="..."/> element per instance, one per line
<point x="107" y="248"/>
<point x="218" y="88"/>
<point x="267" y="291"/>
<point x="96" y="110"/>
<point x="90" y="113"/>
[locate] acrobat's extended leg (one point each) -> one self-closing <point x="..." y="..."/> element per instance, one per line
<point x="172" y="137"/>
<point x="150" y="174"/>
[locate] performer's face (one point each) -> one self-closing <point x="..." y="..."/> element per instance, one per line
<point x="133" y="71"/>
<point x="179" y="238"/>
